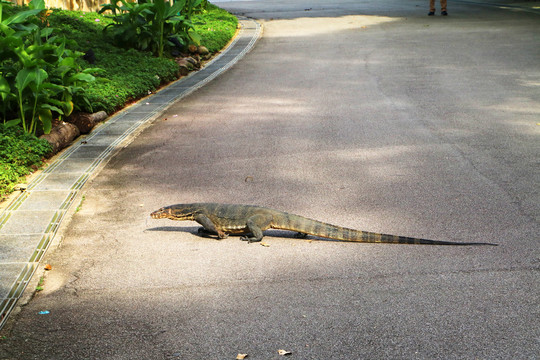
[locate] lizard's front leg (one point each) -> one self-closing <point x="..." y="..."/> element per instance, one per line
<point x="209" y="227"/>
<point x="207" y="233"/>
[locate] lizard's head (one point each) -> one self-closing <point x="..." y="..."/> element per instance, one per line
<point x="175" y="212"/>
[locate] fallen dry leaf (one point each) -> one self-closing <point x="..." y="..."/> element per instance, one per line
<point x="241" y="356"/>
<point x="264" y="244"/>
<point x="20" y="187"/>
<point x="284" y="352"/>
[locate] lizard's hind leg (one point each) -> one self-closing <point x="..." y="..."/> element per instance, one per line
<point x="256" y="224"/>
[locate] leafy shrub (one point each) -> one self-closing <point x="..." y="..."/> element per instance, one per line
<point x="39" y="77"/>
<point x="148" y="25"/>
<point x="20" y="152"/>
<point x="131" y="74"/>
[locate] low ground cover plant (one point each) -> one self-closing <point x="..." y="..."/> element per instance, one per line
<point x="20" y="154"/>
<point x="85" y="70"/>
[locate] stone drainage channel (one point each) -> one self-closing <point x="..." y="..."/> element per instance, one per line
<point x="29" y="224"/>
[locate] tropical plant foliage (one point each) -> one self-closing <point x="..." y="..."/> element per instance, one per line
<point x="39" y="77"/>
<point x="130" y="74"/>
<point x="150" y="25"/>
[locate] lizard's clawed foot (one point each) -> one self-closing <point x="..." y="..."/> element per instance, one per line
<point x="300" y="235"/>
<point x="207" y="233"/>
<point x="249" y="239"/>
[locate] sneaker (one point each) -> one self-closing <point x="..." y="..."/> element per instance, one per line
<point x="431" y="13"/>
<point x="444" y="13"/>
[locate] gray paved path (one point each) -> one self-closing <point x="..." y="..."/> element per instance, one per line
<point x="30" y="222"/>
<point x="367" y="114"/>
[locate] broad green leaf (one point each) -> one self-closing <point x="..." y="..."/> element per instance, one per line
<point x="24" y="78"/>
<point x="11" y="123"/>
<point x="8" y="43"/>
<point x="53" y="108"/>
<point x="45" y="33"/>
<point x="45" y="116"/>
<point x="61" y="71"/>
<point x="37" y="4"/>
<point x="196" y="38"/>
<point x="65" y="65"/>
<point x="176" y="8"/>
<point x="6" y="29"/>
<point x="69" y="108"/>
<point x="55" y="88"/>
<point x="59" y="43"/>
<point x="80" y="77"/>
<point x="93" y="70"/>
<point x="66" y="105"/>
<point x="160" y="7"/>
<point x="21" y="16"/>
<point x="40" y="76"/>
<point x="4" y="88"/>
<point x="27" y="60"/>
<point x="181" y="3"/>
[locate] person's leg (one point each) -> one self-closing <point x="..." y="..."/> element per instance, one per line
<point x="443" y="6"/>
<point x="431" y="7"/>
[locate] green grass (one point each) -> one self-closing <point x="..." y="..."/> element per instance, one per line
<point x="127" y="76"/>
<point x="216" y="27"/>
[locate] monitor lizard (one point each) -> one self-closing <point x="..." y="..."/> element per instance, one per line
<point x="249" y="220"/>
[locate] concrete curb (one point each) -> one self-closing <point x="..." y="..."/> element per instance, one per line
<point x="30" y="223"/>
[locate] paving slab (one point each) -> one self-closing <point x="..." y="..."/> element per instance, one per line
<point x="15" y="248"/>
<point x="57" y="181"/>
<point x="10" y="271"/>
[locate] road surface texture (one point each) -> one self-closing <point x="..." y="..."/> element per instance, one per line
<point x="367" y="114"/>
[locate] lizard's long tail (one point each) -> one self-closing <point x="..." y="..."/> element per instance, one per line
<point x="317" y="228"/>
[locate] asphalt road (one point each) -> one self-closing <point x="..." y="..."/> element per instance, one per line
<point x="366" y="114"/>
